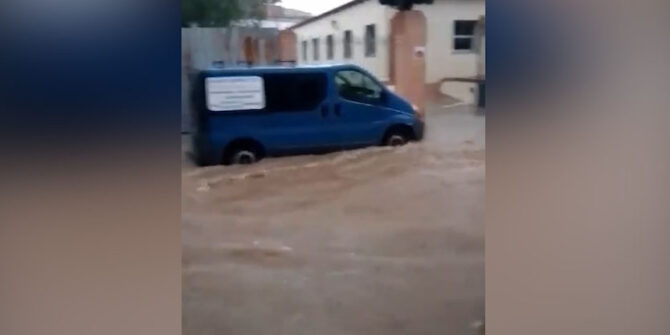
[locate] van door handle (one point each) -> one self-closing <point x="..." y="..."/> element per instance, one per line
<point x="338" y="107"/>
<point x="324" y="110"/>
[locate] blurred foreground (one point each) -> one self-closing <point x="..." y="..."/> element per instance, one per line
<point x="372" y="241"/>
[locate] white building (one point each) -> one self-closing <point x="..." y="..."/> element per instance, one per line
<point x="358" y="32"/>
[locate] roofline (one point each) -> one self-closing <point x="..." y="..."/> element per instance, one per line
<point x="324" y="14"/>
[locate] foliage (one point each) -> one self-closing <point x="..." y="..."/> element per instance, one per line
<point x="220" y="13"/>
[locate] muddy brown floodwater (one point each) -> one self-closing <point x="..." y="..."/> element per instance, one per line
<point x="372" y="241"/>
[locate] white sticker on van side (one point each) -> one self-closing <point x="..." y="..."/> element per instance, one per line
<point x="234" y="93"/>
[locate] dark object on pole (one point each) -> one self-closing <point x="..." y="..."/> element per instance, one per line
<point x="405" y="4"/>
<point x="481" y="91"/>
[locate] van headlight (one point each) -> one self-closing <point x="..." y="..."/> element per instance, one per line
<point x="418" y="112"/>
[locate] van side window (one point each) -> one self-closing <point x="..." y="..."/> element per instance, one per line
<point x="356" y="86"/>
<point x="294" y="92"/>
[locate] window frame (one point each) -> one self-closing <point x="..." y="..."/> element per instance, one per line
<point x="330" y="47"/>
<point x="305" y="45"/>
<point x="456" y="36"/>
<point x="348" y="40"/>
<point x="370" y="40"/>
<point x="316" y="47"/>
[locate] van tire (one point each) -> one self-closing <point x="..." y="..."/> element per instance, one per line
<point x="243" y="152"/>
<point x="397" y="136"/>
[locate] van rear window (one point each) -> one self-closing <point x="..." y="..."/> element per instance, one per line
<point x="294" y="92"/>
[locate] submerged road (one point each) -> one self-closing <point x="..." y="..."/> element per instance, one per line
<point x="372" y="241"/>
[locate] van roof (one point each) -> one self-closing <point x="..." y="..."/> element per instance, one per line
<point x="274" y="68"/>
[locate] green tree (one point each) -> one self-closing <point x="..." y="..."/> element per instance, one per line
<point x="220" y="13"/>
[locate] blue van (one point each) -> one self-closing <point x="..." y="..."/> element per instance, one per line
<point x="244" y="114"/>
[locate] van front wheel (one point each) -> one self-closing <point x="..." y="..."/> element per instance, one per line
<point x="396" y="137"/>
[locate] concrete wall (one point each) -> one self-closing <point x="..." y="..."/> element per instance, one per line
<point x="464" y="91"/>
<point x="355" y="19"/>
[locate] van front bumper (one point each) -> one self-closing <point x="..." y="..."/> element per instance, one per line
<point x="419" y="129"/>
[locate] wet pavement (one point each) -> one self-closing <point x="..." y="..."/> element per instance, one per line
<point x="371" y="241"/>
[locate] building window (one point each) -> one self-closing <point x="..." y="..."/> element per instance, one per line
<point x="304" y="51"/>
<point x="315" y="46"/>
<point x="347" y="44"/>
<point x="464" y="31"/>
<point x="370" y="41"/>
<point x="329" y="47"/>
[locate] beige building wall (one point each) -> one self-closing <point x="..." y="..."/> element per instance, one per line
<point x="442" y="61"/>
<point x="355" y="19"/>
